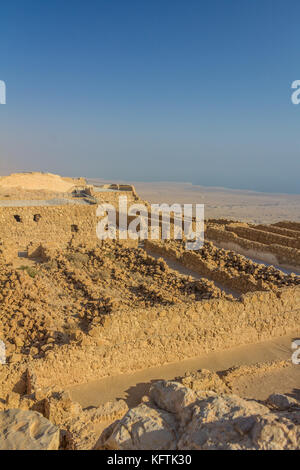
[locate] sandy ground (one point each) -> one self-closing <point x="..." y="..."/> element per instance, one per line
<point x="247" y="206"/>
<point x="132" y="387"/>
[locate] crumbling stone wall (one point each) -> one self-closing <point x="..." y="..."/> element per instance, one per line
<point x="20" y="226"/>
<point x="252" y="243"/>
<point x="157" y="336"/>
<point x="289" y="225"/>
<point x="231" y="270"/>
<point x="112" y="196"/>
<point x="279" y="230"/>
<point x="264" y="237"/>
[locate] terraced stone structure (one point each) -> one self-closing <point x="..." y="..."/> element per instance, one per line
<point x="277" y="243"/>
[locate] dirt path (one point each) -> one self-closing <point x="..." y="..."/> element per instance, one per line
<point x="132" y="387"/>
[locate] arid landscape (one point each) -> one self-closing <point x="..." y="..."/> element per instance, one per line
<point x="142" y="344"/>
<point x="232" y="204"/>
<point x="149" y="229"/>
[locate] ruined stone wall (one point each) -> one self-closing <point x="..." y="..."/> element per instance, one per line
<point x="190" y="259"/>
<point x="289" y="225"/>
<point x="112" y="197"/>
<point x="162" y="335"/>
<point x="278" y="230"/>
<point x="267" y="238"/>
<point x="165" y="335"/>
<point x="20" y="226"/>
<point x="231" y="270"/>
<point x="280" y="255"/>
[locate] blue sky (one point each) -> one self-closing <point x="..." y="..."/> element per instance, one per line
<point x="160" y="90"/>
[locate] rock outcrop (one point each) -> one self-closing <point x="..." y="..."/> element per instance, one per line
<point x="177" y="417"/>
<point x="143" y="427"/>
<point x="27" y="430"/>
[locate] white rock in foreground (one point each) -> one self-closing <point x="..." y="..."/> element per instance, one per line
<point x="142" y="428"/>
<point x="27" y="430"/>
<point x="177" y="418"/>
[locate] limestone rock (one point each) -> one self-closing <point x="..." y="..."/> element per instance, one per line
<point x="221" y="422"/>
<point x="227" y="407"/>
<point x="228" y="422"/>
<point x="202" y="421"/>
<point x="142" y="428"/>
<point x="27" y="430"/>
<point x="272" y="432"/>
<point x="174" y="398"/>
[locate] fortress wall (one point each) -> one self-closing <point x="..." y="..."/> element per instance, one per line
<point x="157" y="336"/>
<point x="112" y="197"/>
<point x="207" y="325"/>
<point x="279" y="255"/>
<point x="20" y="226"/>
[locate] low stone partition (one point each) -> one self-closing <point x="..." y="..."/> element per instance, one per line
<point x="289" y="225"/>
<point x="230" y="270"/>
<point x="279" y="255"/>
<point x="279" y="231"/>
<point x="190" y="259"/>
<point x="267" y="238"/>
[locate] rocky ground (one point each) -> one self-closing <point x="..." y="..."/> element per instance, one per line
<point x="199" y="412"/>
<point x="61" y="299"/>
<point x="234" y="265"/>
<point x="175" y="416"/>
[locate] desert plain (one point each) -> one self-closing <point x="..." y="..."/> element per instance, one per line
<point x="246" y="206"/>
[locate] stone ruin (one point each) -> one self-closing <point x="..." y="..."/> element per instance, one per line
<point x="74" y="309"/>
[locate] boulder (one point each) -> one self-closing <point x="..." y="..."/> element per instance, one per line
<point x="142" y="428"/>
<point x="27" y="430"/>
<point x="228" y="422"/>
<point x="282" y="402"/>
<point x="174" y="398"/>
<point x="176" y="417"/>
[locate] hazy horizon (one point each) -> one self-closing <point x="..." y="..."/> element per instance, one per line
<point x="170" y="182"/>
